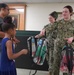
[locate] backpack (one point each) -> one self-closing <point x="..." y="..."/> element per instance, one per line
<point x="37" y="49"/>
<point x="67" y="61"/>
<point x="41" y="51"/>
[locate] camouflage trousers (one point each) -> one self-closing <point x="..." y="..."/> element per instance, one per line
<point x="54" y="49"/>
<point x="57" y="56"/>
<point x="51" y="59"/>
<point x="49" y="56"/>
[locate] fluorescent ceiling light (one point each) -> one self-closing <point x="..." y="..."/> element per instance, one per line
<point x="20" y="10"/>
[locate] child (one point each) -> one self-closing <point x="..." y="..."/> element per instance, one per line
<point x="7" y="63"/>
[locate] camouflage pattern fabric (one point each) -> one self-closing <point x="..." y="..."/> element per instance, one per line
<point x="65" y="29"/>
<point x="51" y="33"/>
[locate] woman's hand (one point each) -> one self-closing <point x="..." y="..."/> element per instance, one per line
<point x="42" y="33"/>
<point x="69" y="40"/>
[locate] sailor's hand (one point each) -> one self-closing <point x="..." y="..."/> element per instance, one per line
<point x="42" y="33"/>
<point x="69" y="40"/>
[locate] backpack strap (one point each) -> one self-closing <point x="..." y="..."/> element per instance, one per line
<point x="32" y="45"/>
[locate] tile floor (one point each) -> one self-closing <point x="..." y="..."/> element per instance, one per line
<point x="27" y="71"/>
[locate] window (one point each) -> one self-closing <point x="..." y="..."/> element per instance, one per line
<point x="17" y="11"/>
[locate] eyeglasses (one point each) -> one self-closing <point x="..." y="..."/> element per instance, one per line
<point x="7" y="9"/>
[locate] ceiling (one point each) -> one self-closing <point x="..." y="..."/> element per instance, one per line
<point x="34" y="1"/>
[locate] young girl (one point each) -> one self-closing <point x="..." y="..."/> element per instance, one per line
<point x="7" y="63"/>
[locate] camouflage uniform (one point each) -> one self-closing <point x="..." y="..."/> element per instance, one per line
<point x="65" y="29"/>
<point x="47" y="28"/>
<point x="50" y="30"/>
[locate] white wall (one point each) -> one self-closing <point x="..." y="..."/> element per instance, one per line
<point x="37" y="14"/>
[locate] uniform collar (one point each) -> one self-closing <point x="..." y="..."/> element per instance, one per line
<point x="67" y="20"/>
